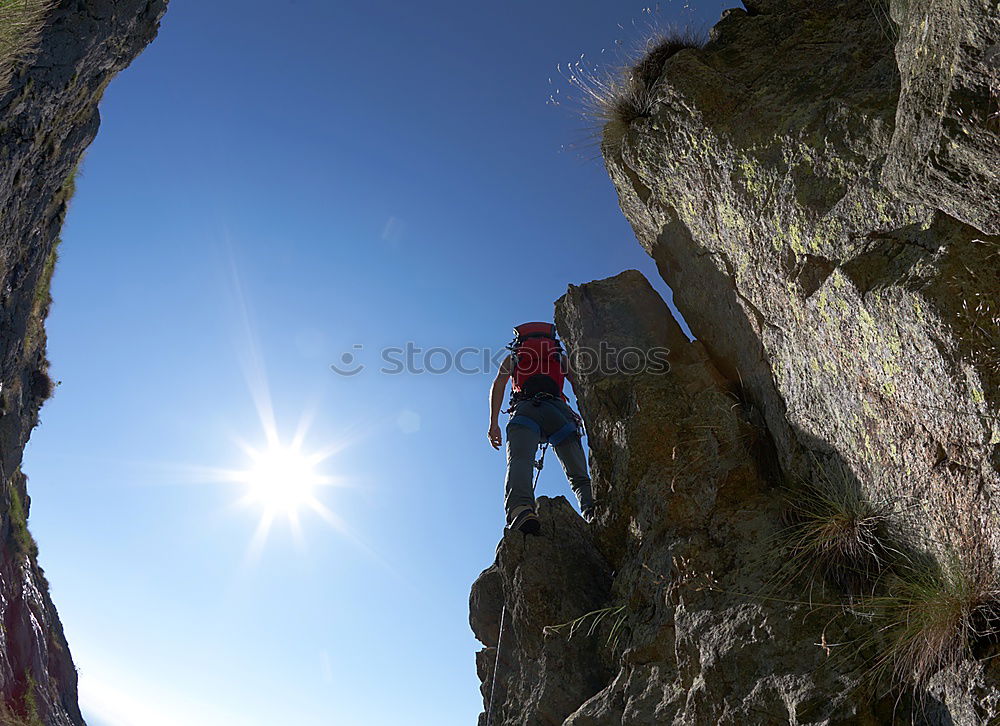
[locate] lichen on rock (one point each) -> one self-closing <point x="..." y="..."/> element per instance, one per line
<point x="819" y="189"/>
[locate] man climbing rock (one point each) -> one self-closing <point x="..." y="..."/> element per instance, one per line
<point x="539" y="414"/>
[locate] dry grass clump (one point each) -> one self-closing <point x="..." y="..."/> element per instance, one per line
<point x="616" y="615"/>
<point x="931" y="617"/>
<point x="626" y="94"/>
<point x="21" y="23"/>
<point x="925" y="613"/>
<point x="658" y="49"/>
<point x="836" y="532"/>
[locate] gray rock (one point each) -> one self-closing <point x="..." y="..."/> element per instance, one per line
<point x="821" y="199"/>
<point x="48" y="117"/>
<point x="860" y="324"/>
<point x="688" y="525"/>
<point x="557" y="577"/>
<point x="945" y="150"/>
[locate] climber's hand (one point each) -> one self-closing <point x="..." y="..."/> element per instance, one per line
<point x="496" y="439"/>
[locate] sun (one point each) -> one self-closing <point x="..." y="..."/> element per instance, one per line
<point x="283" y="482"/>
<point x="282" y="479"/>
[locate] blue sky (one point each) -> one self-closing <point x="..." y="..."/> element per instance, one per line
<point x="274" y="184"/>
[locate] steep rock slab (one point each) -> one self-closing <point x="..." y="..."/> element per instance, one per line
<point x="689" y="522"/>
<point x="945" y="150"/>
<point x="48" y="117"/>
<point x="864" y="326"/>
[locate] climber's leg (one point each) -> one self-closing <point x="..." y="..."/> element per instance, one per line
<point x="522" y="445"/>
<point x="574" y="463"/>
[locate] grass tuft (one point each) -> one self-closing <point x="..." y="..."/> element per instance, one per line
<point x="27" y="713"/>
<point x="24" y="543"/>
<point x="624" y="95"/>
<point x="836" y="532"/>
<point x="617" y="615"/>
<point x="931" y="617"/>
<point x="646" y="71"/>
<point x="21" y="23"/>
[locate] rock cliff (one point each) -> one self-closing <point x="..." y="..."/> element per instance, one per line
<point x="799" y="518"/>
<point x="48" y="117"/>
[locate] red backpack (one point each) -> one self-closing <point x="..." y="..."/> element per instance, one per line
<point x="537" y="359"/>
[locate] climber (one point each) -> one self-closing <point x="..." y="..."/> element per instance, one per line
<point x="538" y="414"/>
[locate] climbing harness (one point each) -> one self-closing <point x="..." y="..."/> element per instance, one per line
<point x="496" y="666"/>
<point x="517" y="397"/>
<point x="573" y="425"/>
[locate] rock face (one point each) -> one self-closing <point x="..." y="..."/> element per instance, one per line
<point x="819" y="187"/>
<point x="558" y="577"/>
<point x="48" y="117"/>
<point x="689" y="513"/>
<point x="944" y="152"/>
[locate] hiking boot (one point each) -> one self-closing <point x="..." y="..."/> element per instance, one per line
<point x="526" y="522"/>
<point x="589" y="514"/>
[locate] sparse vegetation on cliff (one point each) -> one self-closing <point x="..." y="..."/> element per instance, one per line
<point x="626" y="94"/>
<point x="835" y="531"/>
<point x="20" y="27"/>
<point x="41" y="385"/>
<point x="9" y="718"/>
<point x="23" y="542"/>
<point x="924" y="613"/>
<point x="44" y="133"/>
<point x="27" y="714"/>
<point x="932" y="616"/>
<point x="591" y="621"/>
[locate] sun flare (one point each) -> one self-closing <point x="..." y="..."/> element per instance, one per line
<point x="282" y="478"/>
<point x="283" y="482"/>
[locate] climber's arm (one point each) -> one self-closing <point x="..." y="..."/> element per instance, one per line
<point x="496" y="401"/>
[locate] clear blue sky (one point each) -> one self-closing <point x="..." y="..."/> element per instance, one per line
<point x="275" y="183"/>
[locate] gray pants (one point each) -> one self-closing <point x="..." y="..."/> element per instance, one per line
<point x="530" y="422"/>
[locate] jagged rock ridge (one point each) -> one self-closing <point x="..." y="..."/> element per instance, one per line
<point x="819" y="188"/>
<point x="48" y="117"/>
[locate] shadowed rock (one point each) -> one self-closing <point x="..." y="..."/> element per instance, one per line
<point x="543" y="581"/>
<point x="687" y="529"/>
<point x="49" y="117"/>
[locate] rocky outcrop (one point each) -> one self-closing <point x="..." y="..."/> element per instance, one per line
<point x="558" y="577"/>
<point x="819" y="188"/>
<point x="859" y="323"/>
<point x="689" y="518"/>
<point x="48" y="117"/>
<point x="944" y="152"/>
